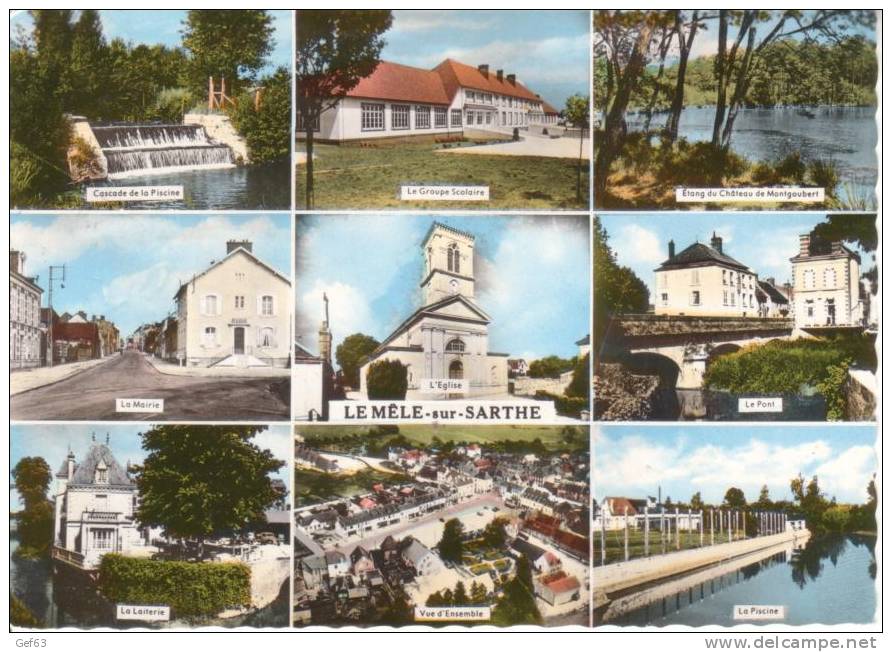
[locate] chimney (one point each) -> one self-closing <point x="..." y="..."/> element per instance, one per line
<point x="512" y="79"/>
<point x="16" y="261"/>
<point x="804" y="244"/>
<point x="484" y="69"/>
<point x="716" y="242"/>
<point x="672" y="249"/>
<point x="232" y="245"/>
<point x="500" y="74"/>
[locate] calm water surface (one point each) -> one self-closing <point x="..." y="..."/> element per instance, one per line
<point x="831" y="580"/>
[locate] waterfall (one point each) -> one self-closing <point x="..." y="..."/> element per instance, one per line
<point x="134" y="150"/>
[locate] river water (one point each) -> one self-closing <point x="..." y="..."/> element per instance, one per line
<point x="59" y="601"/>
<point x="831" y="580"/>
<point x="845" y="135"/>
<point x="253" y="187"/>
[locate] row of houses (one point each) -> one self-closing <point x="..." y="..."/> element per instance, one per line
<point x="826" y="290"/>
<point x="235" y="312"/>
<point x="39" y="336"/>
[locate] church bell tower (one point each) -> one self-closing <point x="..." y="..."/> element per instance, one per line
<point x="448" y="264"/>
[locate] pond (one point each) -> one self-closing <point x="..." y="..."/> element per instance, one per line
<point x="845" y="135"/>
<point x="829" y="581"/>
<point x="66" y="600"/>
<point x="253" y="187"/>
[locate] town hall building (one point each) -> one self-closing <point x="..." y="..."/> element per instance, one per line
<point x="397" y="101"/>
<point x="235" y="313"/>
<point x="448" y="337"/>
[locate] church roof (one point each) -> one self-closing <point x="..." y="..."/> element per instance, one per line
<point x="431" y="309"/>
<point x="85" y="472"/>
<point x="446" y="227"/>
<point x="699" y="254"/>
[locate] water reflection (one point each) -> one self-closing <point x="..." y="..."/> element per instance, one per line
<point x="255" y="187"/>
<point x="830" y="580"/>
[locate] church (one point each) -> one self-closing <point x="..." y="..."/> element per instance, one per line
<point x="448" y="337"/>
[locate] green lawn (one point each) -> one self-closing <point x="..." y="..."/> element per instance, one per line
<point x="351" y="177"/>
<point x="311" y="486"/>
<point x="423" y="435"/>
<point x="615" y="544"/>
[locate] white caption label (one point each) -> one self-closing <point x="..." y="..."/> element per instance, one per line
<point x="134" y="193"/>
<point x="458" y="411"/>
<point x="760" y="405"/>
<point x="441" y="385"/>
<point x="730" y="195"/>
<point x="758" y="612"/>
<point x="145" y="405"/>
<point x="435" y="614"/>
<point x="142" y="612"/>
<point x="444" y="193"/>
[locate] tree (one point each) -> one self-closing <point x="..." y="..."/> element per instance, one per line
<point x="764" y="502"/>
<point x="696" y="502"/>
<point x="335" y="49"/>
<point x="230" y="44"/>
<point x="32" y="477"/>
<point x="351" y="353"/>
<point x="581" y="382"/>
<point x="617" y="290"/>
<point x="517" y="606"/>
<point x="550" y="366"/>
<point x="478" y="593"/>
<point x="734" y="498"/>
<point x="685" y="43"/>
<point x="578" y="114"/>
<point x="266" y="125"/>
<point x="197" y="481"/>
<point x="460" y="595"/>
<point x="452" y="545"/>
<point x="88" y="66"/>
<point x="387" y="380"/>
<point x="494" y="534"/>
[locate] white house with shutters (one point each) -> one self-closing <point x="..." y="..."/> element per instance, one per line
<point x="235" y="313"/>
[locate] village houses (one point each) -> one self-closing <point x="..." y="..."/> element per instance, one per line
<point x="826" y="284"/>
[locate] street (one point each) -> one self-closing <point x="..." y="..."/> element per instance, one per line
<point x="91" y="394"/>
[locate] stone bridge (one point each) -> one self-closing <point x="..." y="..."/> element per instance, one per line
<point x="679" y="348"/>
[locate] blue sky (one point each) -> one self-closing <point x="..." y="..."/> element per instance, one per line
<point x="532" y="277"/>
<point x="51" y="442"/>
<point x="763" y="241"/>
<point x="164" y="27"/>
<point x="635" y="460"/>
<point x="128" y="267"/>
<point x="547" y="50"/>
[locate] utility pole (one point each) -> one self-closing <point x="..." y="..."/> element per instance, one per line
<point x="57" y="273"/>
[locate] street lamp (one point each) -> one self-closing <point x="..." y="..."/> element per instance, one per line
<point x="57" y="273"/>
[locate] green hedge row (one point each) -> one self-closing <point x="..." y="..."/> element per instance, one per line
<point x="189" y="588"/>
<point x="567" y="406"/>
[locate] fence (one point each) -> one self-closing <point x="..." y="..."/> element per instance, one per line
<point x="630" y="536"/>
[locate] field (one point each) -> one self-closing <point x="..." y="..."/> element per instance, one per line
<point x="351" y="177"/>
<point x="552" y="437"/>
<point x="311" y="487"/>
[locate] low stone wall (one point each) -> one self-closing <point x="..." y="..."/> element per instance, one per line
<point x="643" y="325"/>
<point x="220" y="128"/>
<point x="527" y="386"/>
<point x="861" y="398"/>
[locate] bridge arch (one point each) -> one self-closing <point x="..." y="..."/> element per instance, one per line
<point x="664" y="402"/>
<point x="720" y="350"/>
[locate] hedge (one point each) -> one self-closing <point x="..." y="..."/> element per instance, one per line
<point x="567" y="406"/>
<point x="189" y="588"/>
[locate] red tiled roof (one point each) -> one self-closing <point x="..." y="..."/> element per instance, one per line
<point x="547" y="108"/>
<point x="394" y="81"/>
<point x="457" y="74"/>
<point x="71" y="332"/>
<point x="564" y="584"/>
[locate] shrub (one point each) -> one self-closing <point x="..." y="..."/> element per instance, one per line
<point x="791" y="168"/>
<point x="699" y="164"/>
<point x="387" y="380"/>
<point x="581" y="383"/>
<point x="267" y="128"/>
<point x="837" y="518"/>
<point x="824" y="175"/>
<point x="568" y="406"/>
<point x="171" y="104"/>
<point x="190" y="588"/>
<point x="20" y="615"/>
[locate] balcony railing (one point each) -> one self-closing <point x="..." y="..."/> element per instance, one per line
<point x="69" y="556"/>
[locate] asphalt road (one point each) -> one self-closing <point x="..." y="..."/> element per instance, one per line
<point x="91" y="394"/>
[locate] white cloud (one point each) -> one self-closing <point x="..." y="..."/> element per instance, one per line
<point x="426" y="20"/>
<point x="636" y="244"/>
<point x="634" y="465"/>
